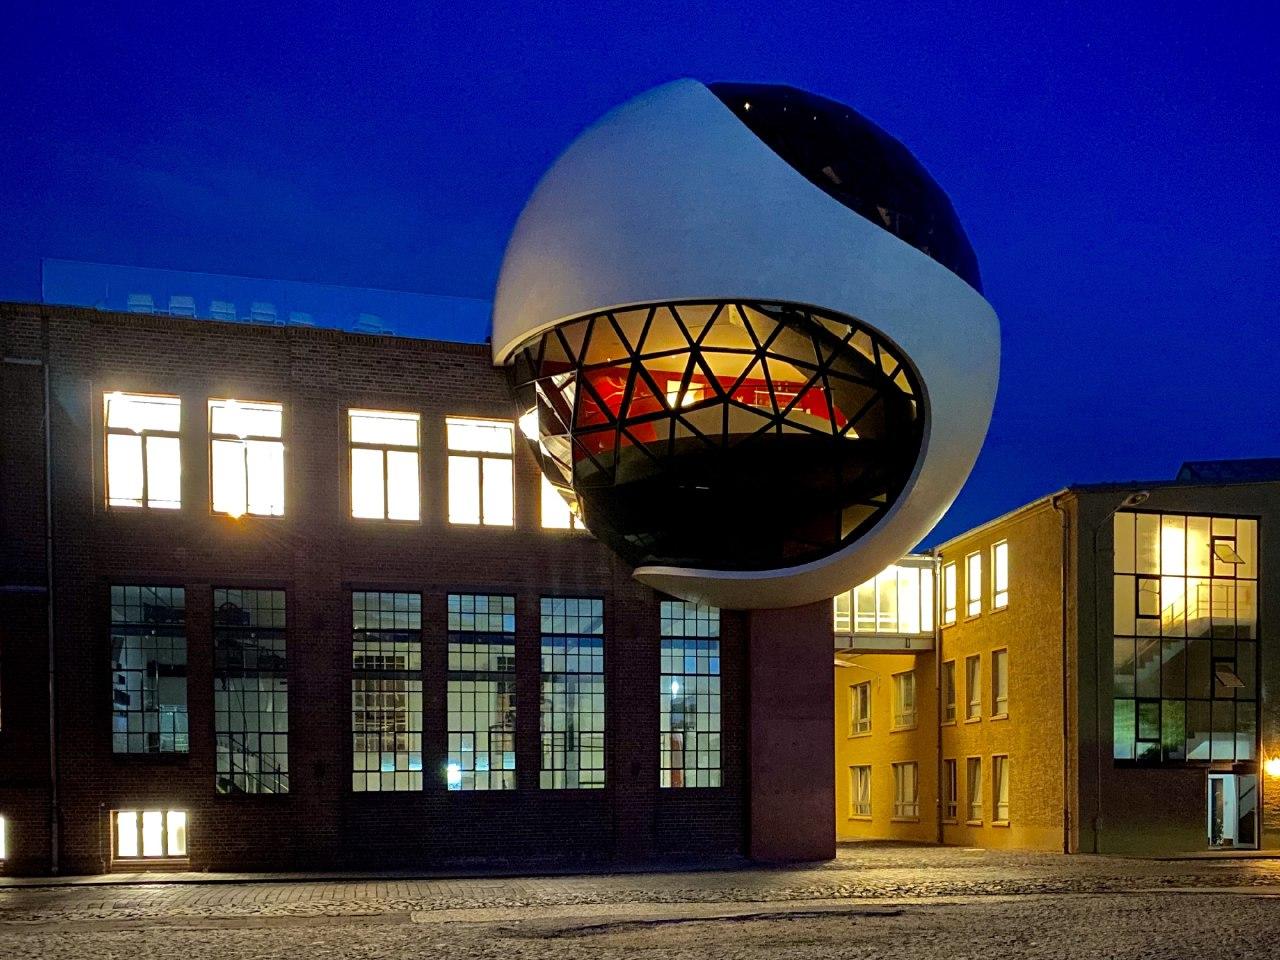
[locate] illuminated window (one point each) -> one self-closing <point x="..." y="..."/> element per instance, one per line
<point x="906" y="790"/>
<point x="150" y="834"/>
<point x="556" y="513"/>
<point x="386" y="691"/>
<point x="973" y="584"/>
<point x="860" y="791"/>
<point x="144" y="452"/>
<point x="246" y="450"/>
<point x="898" y="600"/>
<point x="948" y="594"/>
<point x="4" y="830"/>
<point x="250" y="691"/>
<point x="949" y="691"/>
<point x="973" y="783"/>
<point x="149" y="670"/>
<point x="1000" y="789"/>
<point x="859" y="709"/>
<point x="384" y="465"/>
<point x="1000" y="575"/>
<point x="1185" y="668"/>
<point x="842" y="609"/>
<point x="480" y="474"/>
<point x="572" y="713"/>
<point x="904" y="699"/>
<point x="689" y="695"/>
<point x="481" y="692"/>
<point x="1000" y="683"/>
<point x="973" y="687"/>
<point x="950" y="790"/>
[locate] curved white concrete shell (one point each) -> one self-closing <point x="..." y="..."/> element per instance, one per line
<point x="671" y="197"/>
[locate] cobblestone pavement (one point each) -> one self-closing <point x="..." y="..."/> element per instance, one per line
<point x="872" y="901"/>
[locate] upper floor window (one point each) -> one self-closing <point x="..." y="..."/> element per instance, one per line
<point x="949" y="691"/>
<point x="481" y="483"/>
<point x="556" y="513"/>
<point x="904" y="699"/>
<point x="859" y="709"/>
<point x="973" y="687"/>
<point x="384" y="464"/>
<point x="1000" y="575"/>
<point x="144" y="455"/>
<point x="973" y="584"/>
<point x="949" y="594"/>
<point x="1000" y="683"/>
<point x="246" y="451"/>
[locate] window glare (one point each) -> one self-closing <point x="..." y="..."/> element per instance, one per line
<point x="127" y="833"/>
<point x="137" y="412"/>
<point x="479" y="436"/>
<point x="464" y="490"/>
<point x="366" y="484"/>
<point x="144" y="459"/>
<point x="124" y="470"/>
<point x="164" y="472"/>
<point x="402" y="485"/>
<point x="556" y="514"/>
<point x="384" y="427"/>
<point x="247" y="457"/>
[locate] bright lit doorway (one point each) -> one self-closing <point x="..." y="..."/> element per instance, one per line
<point x="1233" y="810"/>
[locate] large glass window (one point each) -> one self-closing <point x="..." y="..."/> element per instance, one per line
<point x="246" y="450"/>
<point x="386" y="691"/>
<point x="144" y="451"/>
<point x="384" y="465"/>
<point x="556" y="512"/>
<point x="481" y="692"/>
<point x="950" y="791"/>
<point x="689" y="697"/>
<point x="906" y="790"/>
<point x="1185" y="675"/>
<point x="860" y="795"/>
<point x="1000" y="789"/>
<point x="149" y="670"/>
<point x="1000" y="575"/>
<point x="904" y="699"/>
<point x="250" y="691"/>
<point x="949" y="691"/>
<point x="1000" y="683"/>
<point x="973" y="783"/>
<point x="150" y="834"/>
<point x="949" y="594"/>
<point x="481" y="483"/>
<point x="860" y="709"/>
<point x="898" y="600"/>
<point x="973" y="687"/>
<point x="572" y="692"/>
<point x="973" y="584"/>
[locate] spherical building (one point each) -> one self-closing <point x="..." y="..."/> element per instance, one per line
<point x="748" y="341"/>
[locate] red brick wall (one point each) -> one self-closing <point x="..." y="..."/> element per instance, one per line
<point x="318" y="554"/>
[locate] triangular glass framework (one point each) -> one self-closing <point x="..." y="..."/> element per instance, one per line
<point x="735" y="435"/>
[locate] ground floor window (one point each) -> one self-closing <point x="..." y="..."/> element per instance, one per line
<point x="150" y="834"/>
<point x="4" y="830"/>
<point x="973" y="778"/>
<point x="386" y="691"/>
<point x="572" y="708"/>
<point x="860" y="783"/>
<point x="1000" y="789"/>
<point x="906" y="790"/>
<point x="481" y="692"/>
<point x="689" y="695"/>
<point x="950" y="790"/>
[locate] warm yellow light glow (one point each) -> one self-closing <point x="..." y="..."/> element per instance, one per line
<point x="556" y="513"/>
<point x="127" y="833"/>
<point x="247" y="457"/>
<point x="1272" y="767"/>
<point x="481" y="480"/>
<point x="144" y="458"/>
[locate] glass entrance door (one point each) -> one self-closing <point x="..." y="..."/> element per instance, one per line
<point x="1233" y="810"/>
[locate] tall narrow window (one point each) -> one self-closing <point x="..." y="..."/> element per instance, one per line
<point x="973" y="687"/>
<point x="246" y="450"/>
<point x="572" y="692"/>
<point x="949" y="594"/>
<point x="386" y="691"/>
<point x="860" y="709"/>
<point x="481" y="487"/>
<point x="842" y="608"/>
<point x="1000" y="683"/>
<point x="149" y="670"/>
<point x="689" y="698"/>
<point x="481" y="692"/>
<point x="949" y="691"/>
<point x="556" y="514"/>
<point x="973" y="783"/>
<point x="150" y="834"/>
<point x="144" y="451"/>
<point x="860" y="791"/>
<point x="973" y="584"/>
<point x="384" y="465"/>
<point x="1000" y="575"/>
<point x="4" y="839"/>
<point x="950" y="791"/>
<point x="1000" y="789"/>
<point x="250" y="691"/>
<point x="906" y="790"/>
<point x="904" y="700"/>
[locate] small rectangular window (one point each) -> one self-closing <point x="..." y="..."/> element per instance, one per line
<point x="384" y="465"/>
<point x="950" y="791"/>
<point x="973" y="777"/>
<point x="860" y="791"/>
<point x="1000" y="789"/>
<point x="904" y="700"/>
<point x="859" y="709"/>
<point x="246" y="458"/>
<point x="556" y="512"/>
<point x="843" y="610"/>
<point x="1000" y="575"/>
<point x="973" y="687"/>
<point x="949" y="594"/>
<point x="973" y="584"/>
<point x="144" y="451"/>
<point x="1000" y="683"/>
<point x="481" y="481"/>
<point x="949" y="691"/>
<point x="150" y="834"/>
<point x="906" y="790"/>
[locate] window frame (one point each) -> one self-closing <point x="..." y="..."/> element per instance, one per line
<point x="859" y="694"/>
<point x="856" y="772"/>
<point x="480" y="456"/>
<point x="139" y="812"/>
<point x="950" y="707"/>
<point x="284" y="452"/>
<point x="950" y="593"/>
<point x="1000" y="654"/>
<point x="972" y="683"/>
<point x="972" y="601"/>
<point x="973" y="797"/>
<point x="999" y="598"/>
<point x="906" y="810"/>
<point x="950" y="790"/>
<point x="999" y="785"/>
<point x="384" y="449"/>
<point x="145" y="435"/>
<point x="898" y="713"/>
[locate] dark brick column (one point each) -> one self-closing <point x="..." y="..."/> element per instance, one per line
<point x="792" y="758"/>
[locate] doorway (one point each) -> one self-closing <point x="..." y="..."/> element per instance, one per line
<point x="1233" y="810"/>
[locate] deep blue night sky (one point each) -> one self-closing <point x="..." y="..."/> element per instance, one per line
<point x="1115" y="166"/>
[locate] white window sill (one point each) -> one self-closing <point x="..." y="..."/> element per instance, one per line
<point x="999" y="716"/>
<point x="973" y="823"/>
<point x="1000" y="823"/>
<point x="904" y="819"/>
<point x="905" y="729"/>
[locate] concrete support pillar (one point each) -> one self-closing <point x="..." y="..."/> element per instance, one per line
<point x="792" y="748"/>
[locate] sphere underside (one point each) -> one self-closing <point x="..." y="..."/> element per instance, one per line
<point x="734" y="435"/>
